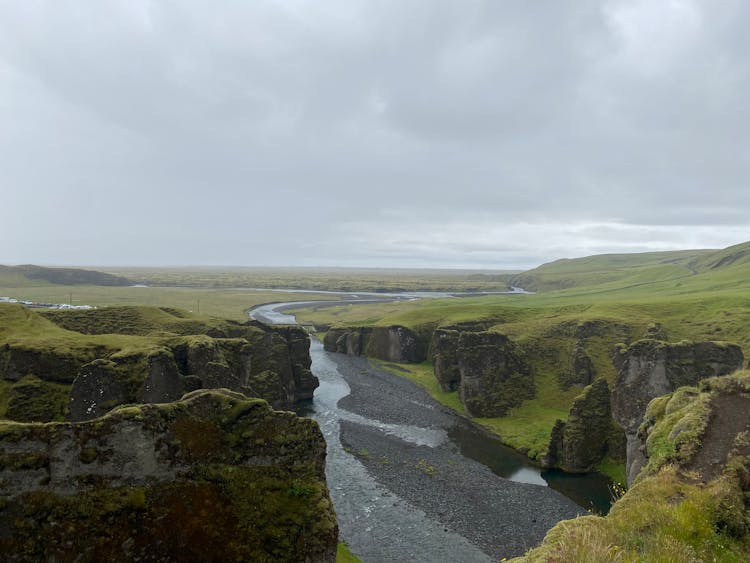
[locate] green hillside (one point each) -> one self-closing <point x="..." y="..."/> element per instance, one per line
<point x="647" y="274"/>
<point x="30" y="275"/>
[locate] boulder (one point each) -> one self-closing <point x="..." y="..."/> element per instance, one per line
<point x="212" y="477"/>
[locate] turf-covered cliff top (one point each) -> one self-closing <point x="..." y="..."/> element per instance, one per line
<point x="77" y="364"/>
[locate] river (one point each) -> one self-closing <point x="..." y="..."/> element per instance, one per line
<point x="412" y="481"/>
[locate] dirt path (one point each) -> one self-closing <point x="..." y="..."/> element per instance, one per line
<point x="730" y="415"/>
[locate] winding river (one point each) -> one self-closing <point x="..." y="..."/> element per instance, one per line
<point x="385" y="513"/>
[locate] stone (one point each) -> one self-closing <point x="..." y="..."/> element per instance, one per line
<point x="580" y="443"/>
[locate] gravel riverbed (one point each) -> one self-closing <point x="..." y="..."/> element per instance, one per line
<point x="410" y="452"/>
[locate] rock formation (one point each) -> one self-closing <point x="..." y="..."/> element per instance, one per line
<point x="581" y="371"/>
<point x="212" y="477"/>
<point x="444" y="347"/>
<point x="580" y="443"/>
<point x="651" y="368"/>
<point x="494" y="376"/>
<point x="272" y="363"/>
<point x="393" y="343"/>
<point x="689" y="502"/>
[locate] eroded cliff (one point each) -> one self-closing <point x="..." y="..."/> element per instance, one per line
<point x="650" y="368"/>
<point x="213" y="477"/>
<point x="90" y="361"/>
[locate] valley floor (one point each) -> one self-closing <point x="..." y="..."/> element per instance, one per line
<point x="426" y="501"/>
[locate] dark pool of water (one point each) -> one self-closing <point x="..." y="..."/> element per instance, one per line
<point x="589" y="490"/>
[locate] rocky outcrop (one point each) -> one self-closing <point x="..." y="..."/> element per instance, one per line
<point x="444" y="347"/>
<point x="150" y="364"/>
<point x="651" y="368"/>
<point x="699" y="429"/>
<point x="213" y="477"/>
<point x="393" y="343"/>
<point x="57" y="364"/>
<point x="581" y="371"/>
<point x="487" y="369"/>
<point x="275" y="366"/>
<point x="494" y="376"/>
<point x="580" y="443"/>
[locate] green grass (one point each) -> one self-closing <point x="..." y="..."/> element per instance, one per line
<point x="614" y="469"/>
<point x="423" y="375"/>
<point x="340" y="279"/>
<point x="662" y="518"/>
<point x="225" y="303"/>
<point x="343" y="555"/>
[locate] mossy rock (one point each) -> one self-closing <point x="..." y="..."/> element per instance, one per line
<point x="34" y="400"/>
<point x="494" y="374"/>
<point x="213" y="477"/>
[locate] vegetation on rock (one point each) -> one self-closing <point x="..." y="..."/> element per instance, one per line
<point x="80" y="364"/>
<point x="689" y="503"/>
<point x="213" y="477"/>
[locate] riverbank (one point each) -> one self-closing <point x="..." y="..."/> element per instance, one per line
<point x="503" y="518"/>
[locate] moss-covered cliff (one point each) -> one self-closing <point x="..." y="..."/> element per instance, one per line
<point x="650" y="368"/>
<point x="391" y="343"/>
<point x="212" y="477"/>
<point x="119" y="355"/>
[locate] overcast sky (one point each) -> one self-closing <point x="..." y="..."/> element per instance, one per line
<point x="401" y="133"/>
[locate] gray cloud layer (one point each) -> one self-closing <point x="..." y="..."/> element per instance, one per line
<point x="351" y="132"/>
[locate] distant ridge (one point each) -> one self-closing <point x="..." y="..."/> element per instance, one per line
<point x="622" y="270"/>
<point x="31" y="274"/>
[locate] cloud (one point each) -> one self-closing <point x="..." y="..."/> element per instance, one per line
<point x="339" y="133"/>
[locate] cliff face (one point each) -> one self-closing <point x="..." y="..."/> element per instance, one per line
<point x="486" y="368"/>
<point x="444" y="348"/>
<point x="580" y="443"/>
<point x="650" y="368"/>
<point x="392" y="343"/>
<point x="494" y="376"/>
<point x="275" y="367"/>
<point x="212" y="477"/>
